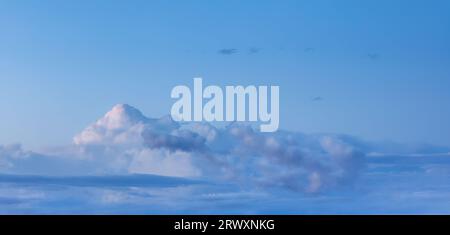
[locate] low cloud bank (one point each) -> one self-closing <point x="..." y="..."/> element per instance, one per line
<point x="124" y="141"/>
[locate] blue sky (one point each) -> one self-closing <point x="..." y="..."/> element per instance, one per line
<point x="364" y="107"/>
<point x="380" y="67"/>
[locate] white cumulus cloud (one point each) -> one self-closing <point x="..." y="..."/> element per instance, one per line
<point x="124" y="141"/>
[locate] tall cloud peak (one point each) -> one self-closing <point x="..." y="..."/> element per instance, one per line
<point x="122" y="124"/>
<point x="120" y="116"/>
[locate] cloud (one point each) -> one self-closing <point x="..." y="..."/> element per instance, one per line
<point x="373" y="56"/>
<point x="254" y="50"/>
<point x="133" y="180"/>
<point x="124" y="141"/>
<point x="128" y="163"/>
<point x="176" y="140"/>
<point x="309" y="50"/>
<point x="122" y="125"/>
<point x="227" y="51"/>
<point x="10" y="152"/>
<point x="137" y="144"/>
<point x="163" y="162"/>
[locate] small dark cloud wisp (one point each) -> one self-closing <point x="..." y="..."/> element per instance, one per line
<point x="309" y="50"/>
<point x="254" y="50"/>
<point x="317" y="98"/>
<point x="227" y="51"/>
<point x="373" y="56"/>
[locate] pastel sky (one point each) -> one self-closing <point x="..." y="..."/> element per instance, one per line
<point x="364" y="107"/>
<point x="374" y="69"/>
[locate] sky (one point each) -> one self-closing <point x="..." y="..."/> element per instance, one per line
<point x="373" y="69"/>
<point x="364" y="107"/>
